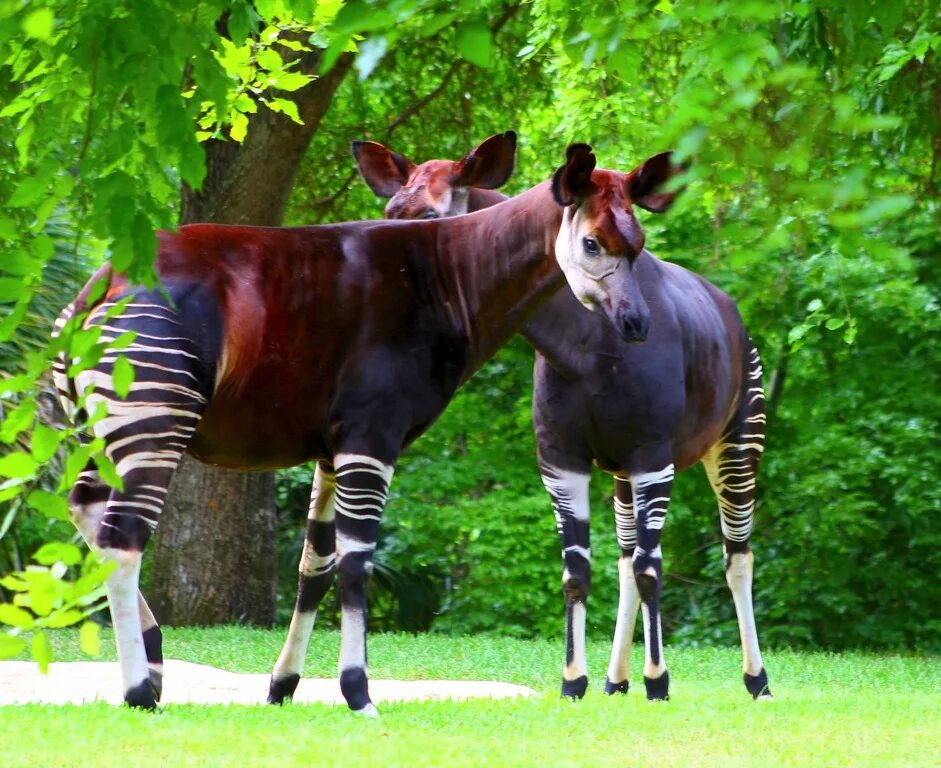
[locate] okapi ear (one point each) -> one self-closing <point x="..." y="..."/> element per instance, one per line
<point x="384" y="171"/>
<point x="488" y="166"/>
<point x="572" y="182"/>
<point x="644" y="182"/>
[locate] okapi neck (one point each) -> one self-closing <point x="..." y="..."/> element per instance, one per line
<point x="500" y="265"/>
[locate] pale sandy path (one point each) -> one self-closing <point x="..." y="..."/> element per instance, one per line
<point x="87" y="681"/>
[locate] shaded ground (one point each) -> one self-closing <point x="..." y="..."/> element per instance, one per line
<point x="82" y="682"/>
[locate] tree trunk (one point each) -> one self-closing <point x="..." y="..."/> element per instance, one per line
<point x="214" y="558"/>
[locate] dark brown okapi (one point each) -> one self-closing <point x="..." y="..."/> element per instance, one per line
<point x="270" y="347"/>
<point x="691" y="392"/>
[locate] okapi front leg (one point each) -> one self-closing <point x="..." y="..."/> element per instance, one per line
<point x="651" y="498"/>
<point x="569" y="493"/>
<point x="362" y="486"/>
<point x="629" y="598"/>
<point x="317" y="569"/>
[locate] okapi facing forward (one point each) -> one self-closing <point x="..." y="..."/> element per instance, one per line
<point x="340" y="343"/>
<point x="691" y="392"/>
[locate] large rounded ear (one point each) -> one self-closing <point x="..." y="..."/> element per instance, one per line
<point x="385" y="171"/>
<point x="489" y="165"/>
<point x="644" y="182"/>
<point x="572" y="182"/>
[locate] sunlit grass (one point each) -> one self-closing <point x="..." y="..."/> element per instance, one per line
<point x="830" y="710"/>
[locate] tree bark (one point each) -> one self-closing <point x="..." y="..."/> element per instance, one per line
<point x="214" y="559"/>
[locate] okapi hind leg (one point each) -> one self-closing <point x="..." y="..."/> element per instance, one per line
<point x="732" y="466"/>
<point x="145" y="434"/>
<point x="629" y="598"/>
<point x="651" y="492"/>
<point x="569" y="493"/>
<point x="87" y="504"/>
<point x="317" y="569"/>
<point x="362" y="487"/>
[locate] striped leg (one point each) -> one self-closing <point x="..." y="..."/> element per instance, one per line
<point x="569" y="493"/>
<point x="629" y="598"/>
<point x="317" y="569"/>
<point x="87" y="503"/>
<point x="145" y="435"/>
<point x="732" y="466"/>
<point x="651" y="491"/>
<point x="362" y="486"/>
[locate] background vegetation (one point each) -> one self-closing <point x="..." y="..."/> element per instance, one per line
<point x="814" y="133"/>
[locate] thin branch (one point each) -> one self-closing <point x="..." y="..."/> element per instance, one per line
<point x="324" y="203"/>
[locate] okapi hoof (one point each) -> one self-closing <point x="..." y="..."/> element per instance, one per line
<point x="575" y="689"/>
<point x="658" y="688"/>
<point x="613" y="688"/>
<point x="283" y="688"/>
<point x="757" y="685"/>
<point x="354" y="686"/>
<point x="141" y="696"/>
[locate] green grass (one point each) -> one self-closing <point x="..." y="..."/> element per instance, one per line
<point x="830" y="710"/>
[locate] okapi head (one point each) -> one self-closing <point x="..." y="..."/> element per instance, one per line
<point x="437" y="188"/>
<point x="600" y="235"/>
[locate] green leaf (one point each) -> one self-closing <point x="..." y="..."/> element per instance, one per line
<point x="42" y="651"/>
<point x="49" y="504"/>
<point x="269" y="59"/>
<point x="288" y="107"/>
<point x="64" y="618"/>
<point x="11" y="288"/>
<point x="89" y="638"/>
<point x="8" y="229"/>
<point x="239" y="127"/>
<point x="55" y="551"/>
<point x="75" y="463"/>
<point x="39" y="24"/>
<point x="475" y="43"/>
<point x="18" y="465"/>
<point x="19" y="262"/>
<point x="10" y="645"/>
<point x="16" y="616"/>
<point x="44" y="442"/>
<point x="108" y="471"/>
<point x="122" y="376"/>
<point x="17" y="420"/>
<point x="292" y="81"/>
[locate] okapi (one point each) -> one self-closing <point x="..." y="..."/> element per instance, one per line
<point x="270" y="347"/>
<point x="691" y="392"/>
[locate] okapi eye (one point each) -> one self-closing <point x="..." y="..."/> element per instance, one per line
<point x="430" y="214"/>
<point x="591" y="246"/>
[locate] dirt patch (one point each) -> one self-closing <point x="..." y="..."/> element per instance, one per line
<point x="82" y="682"/>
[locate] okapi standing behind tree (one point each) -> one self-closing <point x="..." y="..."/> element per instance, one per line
<point x="270" y="347"/>
<point x="691" y="392"/>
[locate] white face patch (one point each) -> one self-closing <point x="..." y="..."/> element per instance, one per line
<point x="587" y="273"/>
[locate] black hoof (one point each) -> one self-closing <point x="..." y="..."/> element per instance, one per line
<point x="658" y="688"/>
<point x="282" y="689"/>
<point x="613" y="688"/>
<point x="355" y="688"/>
<point x="757" y="685"/>
<point x="141" y="696"/>
<point x="575" y="689"/>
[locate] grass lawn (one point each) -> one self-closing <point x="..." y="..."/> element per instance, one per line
<point x="830" y="710"/>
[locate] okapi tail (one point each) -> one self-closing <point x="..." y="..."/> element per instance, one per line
<point x="79" y="307"/>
